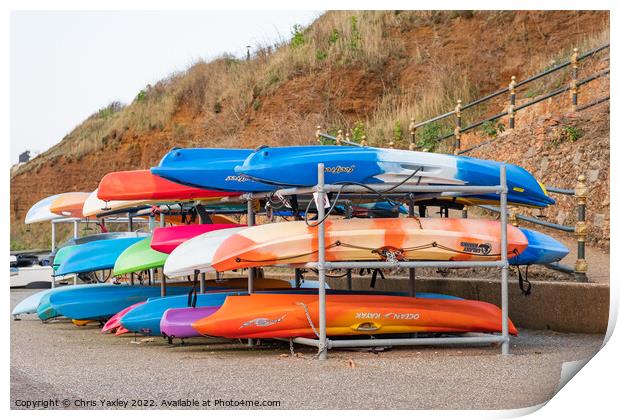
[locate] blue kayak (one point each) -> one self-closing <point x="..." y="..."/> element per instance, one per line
<point x="97" y="255"/>
<point x="296" y="166"/>
<point x="105" y="300"/>
<point x="541" y="249"/>
<point x="208" y="168"/>
<point x="44" y="309"/>
<point x="145" y="319"/>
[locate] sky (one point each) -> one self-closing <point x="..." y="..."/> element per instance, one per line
<point x="66" y="65"/>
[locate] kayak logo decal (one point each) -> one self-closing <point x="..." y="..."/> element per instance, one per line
<point x="236" y="178"/>
<point x="474" y="248"/>
<point x="389" y="315"/>
<point x="340" y="169"/>
<point x="262" y="322"/>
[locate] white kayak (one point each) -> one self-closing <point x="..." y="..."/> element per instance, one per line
<point x="40" y="211"/>
<point x="94" y="205"/>
<point x="196" y="253"/>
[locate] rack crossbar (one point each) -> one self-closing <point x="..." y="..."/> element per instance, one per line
<point x="483" y="339"/>
<point x="405" y="264"/>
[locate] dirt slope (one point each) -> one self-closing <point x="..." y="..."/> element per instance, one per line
<point x="416" y="53"/>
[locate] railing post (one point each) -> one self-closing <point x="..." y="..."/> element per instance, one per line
<point x="317" y="134"/>
<point x="412" y="144"/>
<point x="457" y="129"/>
<point x="512" y="217"/>
<point x="513" y="100"/>
<point x="320" y="195"/>
<point x="364" y="142"/>
<point x="339" y="138"/>
<point x="581" y="266"/>
<point x="347" y="136"/>
<point x="574" y="81"/>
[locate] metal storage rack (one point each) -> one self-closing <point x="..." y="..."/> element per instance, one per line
<point x="322" y="342"/>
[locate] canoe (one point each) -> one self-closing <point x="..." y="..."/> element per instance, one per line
<point x="105" y="301"/>
<point x="208" y="168"/>
<point x="69" y="204"/>
<point x="146" y="318"/>
<point x="115" y="322"/>
<point x="143" y="185"/>
<point x="367" y="240"/>
<point x="177" y="322"/>
<point x="196" y="253"/>
<point x="138" y="257"/>
<point x="285" y="316"/>
<point x="541" y="249"/>
<point x="98" y="255"/>
<point x="166" y="239"/>
<point x="40" y="211"/>
<point x="297" y="166"/>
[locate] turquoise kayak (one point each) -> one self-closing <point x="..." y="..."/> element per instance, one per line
<point x="97" y="255"/>
<point x="105" y="300"/>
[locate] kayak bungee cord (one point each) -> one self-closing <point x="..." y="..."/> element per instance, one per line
<point x="387" y="253"/>
<point x="369" y="188"/>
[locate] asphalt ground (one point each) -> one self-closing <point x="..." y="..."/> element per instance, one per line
<point x="58" y="365"/>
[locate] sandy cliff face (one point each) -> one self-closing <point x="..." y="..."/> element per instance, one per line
<point x="485" y="49"/>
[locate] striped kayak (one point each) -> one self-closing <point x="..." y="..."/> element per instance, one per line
<point x="177" y="322"/>
<point x="285" y="316"/>
<point x="197" y="253"/>
<point x="166" y="239"/>
<point x="297" y="166"/>
<point x="366" y="240"/>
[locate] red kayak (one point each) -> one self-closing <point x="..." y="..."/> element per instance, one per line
<point x="166" y="239"/>
<point x="143" y="185"/>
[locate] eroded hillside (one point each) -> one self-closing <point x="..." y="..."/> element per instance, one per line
<point x="369" y="72"/>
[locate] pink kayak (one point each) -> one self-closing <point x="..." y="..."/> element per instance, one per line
<point x="114" y="323"/>
<point x="166" y="239"/>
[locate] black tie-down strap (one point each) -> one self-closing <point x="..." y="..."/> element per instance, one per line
<point x="524" y="283"/>
<point x="192" y="296"/>
<point x="375" y="272"/>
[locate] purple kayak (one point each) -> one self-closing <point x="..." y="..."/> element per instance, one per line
<point x="177" y="322"/>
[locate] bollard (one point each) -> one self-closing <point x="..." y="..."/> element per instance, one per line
<point x="513" y="100"/>
<point x="339" y="138"/>
<point x="412" y="145"/>
<point x="317" y="134"/>
<point x="457" y="129"/>
<point x="574" y="81"/>
<point x="581" y="266"/>
<point x="347" y="136"/>
<point x="364" y="142"/>
<point x="391" y="145"/>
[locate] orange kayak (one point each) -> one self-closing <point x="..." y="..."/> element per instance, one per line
<point x="368" y="240"/>
<point x="69" y="204"/>
<point x="143" y="185"/>
<point x="286" y="315"/>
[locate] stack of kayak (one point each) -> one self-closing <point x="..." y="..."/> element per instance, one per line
<point x="190" y="185"/>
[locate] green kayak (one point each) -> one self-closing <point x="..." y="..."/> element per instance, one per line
<point x="139" y="257"/>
